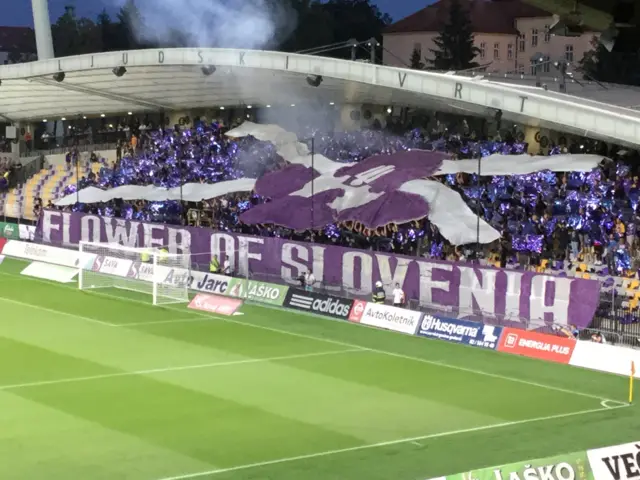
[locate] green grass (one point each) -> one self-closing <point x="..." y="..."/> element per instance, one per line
<point x="103" y="385"/>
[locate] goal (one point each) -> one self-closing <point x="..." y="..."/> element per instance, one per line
<point x="149" y="271"/>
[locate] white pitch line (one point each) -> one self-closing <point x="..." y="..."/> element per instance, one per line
<point x="326" y="340"/>
<point x="386" y="444"/>
<point x="57" y="312"/>
<point x="162" y="322"/>
<point x="175" y="369"/>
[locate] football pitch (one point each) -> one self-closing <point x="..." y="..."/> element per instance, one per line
<point x="102" y="385"/>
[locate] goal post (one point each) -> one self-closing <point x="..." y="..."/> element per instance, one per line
<point x="150" y="271"/>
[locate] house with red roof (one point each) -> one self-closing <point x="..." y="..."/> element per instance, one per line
<point x="508" y="33"/>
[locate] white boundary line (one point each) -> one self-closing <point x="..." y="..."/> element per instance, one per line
<point x="386" y="444"/>
<point x="310" y="337"/>
<point x="164" y="322"/>
<point x="58" y="312"/>
<point x="175" y="369"/>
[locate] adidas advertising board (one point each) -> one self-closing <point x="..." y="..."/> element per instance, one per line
<point x="460" y="331"/>
<point x="318" y="303"/>
<point x="621" y="462"/>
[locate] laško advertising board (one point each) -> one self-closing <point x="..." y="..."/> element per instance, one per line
<point x="255" y="291"/>
<point x="536" y="345"/>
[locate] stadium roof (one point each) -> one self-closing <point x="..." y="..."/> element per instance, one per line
<point x="173" y="80"/>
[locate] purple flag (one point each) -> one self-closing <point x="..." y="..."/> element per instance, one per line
<point x="463" y="290"/>
<point x="368" y="192"/>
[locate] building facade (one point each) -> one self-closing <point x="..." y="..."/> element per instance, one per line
<point x="509" y="34"/>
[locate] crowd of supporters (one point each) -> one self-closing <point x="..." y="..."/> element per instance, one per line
<point x="590" y="217"/>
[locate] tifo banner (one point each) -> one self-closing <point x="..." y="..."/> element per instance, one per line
<point x="215" y="304"/>
<point x="621" y="462"/>
<point x="606" y="358"/>
<point x="572" y="466"/>
<point x="464" y="288"/>
<point x="460" y="331"/>
<point x="536" y="345"/>
<point x="254" y="291"/>
<point x="384" y="316"/>
<point x="318" y="303"/>
<point x="10" y="231"/>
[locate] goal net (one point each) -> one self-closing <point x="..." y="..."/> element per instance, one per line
<point x="150" y="271"/>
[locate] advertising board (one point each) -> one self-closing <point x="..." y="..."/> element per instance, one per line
<point x="319" y="303"/>
<point x="536" y="345"/>
<point x="620" y="462"/>
<point x="254" y="291"/>
<point x="570" y="466"/>
<point x="215" y="304"/>
<point x="389" y="318"/>
<point x="460" y="331"/>
<point x="48" y="254"/>
<point x="112" y="266"/>
<point x="9" y="231"/>
<point x="605" y="358"/>
<point x="26" y="232"/>
<point x="358" y="308"/>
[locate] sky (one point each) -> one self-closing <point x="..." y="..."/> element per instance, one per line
<point x="19" y="13"/>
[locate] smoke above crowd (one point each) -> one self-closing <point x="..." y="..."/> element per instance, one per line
<point x="252" y="24"/>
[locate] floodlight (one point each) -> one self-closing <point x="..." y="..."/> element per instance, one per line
<point x="208" y="70"/>
<point x="314" y="80"/>
<point x="59" y="77"/>
<point x="119" y="71"/>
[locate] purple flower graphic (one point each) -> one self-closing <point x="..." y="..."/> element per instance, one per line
<point x="367" y="192"/>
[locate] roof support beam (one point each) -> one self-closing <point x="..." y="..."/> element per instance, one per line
<point x="103" y="94"/>
<point x="4" y="117"/>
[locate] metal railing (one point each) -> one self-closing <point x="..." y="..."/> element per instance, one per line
<point x="82" y="142"/>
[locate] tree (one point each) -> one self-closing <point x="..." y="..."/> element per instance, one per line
<point x="74" y="36"/>
<point x="335" y="21"/>
<point x="456" y="50"/>
<point x="415" y="61"/>
<point x="108" y="32"/>
<point x="130" y="24"/>
<point x="613" y="67"/>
